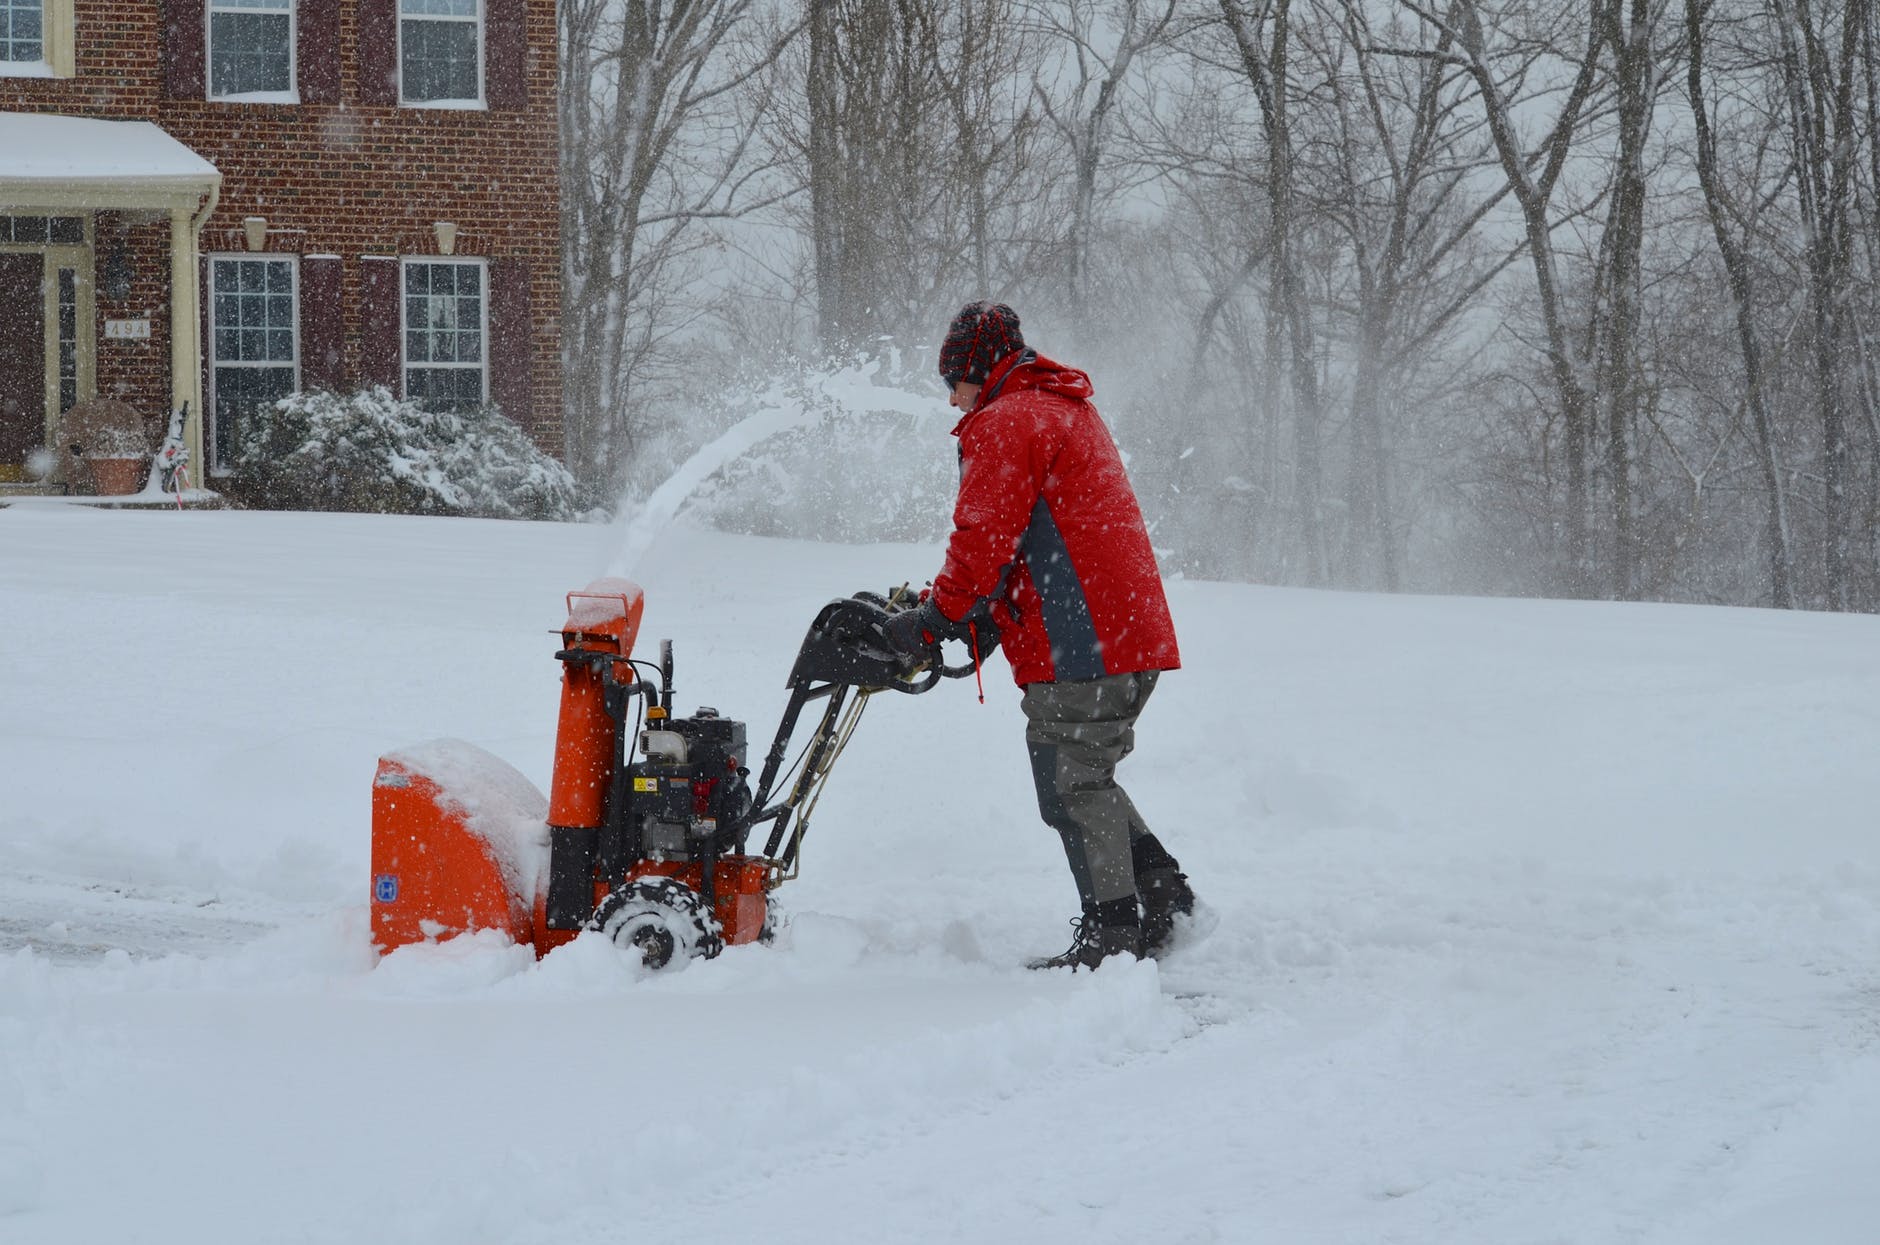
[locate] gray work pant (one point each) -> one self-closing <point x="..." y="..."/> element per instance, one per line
<point x="1077" y="732"/>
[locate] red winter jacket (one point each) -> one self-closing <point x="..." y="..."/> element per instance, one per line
<point x="1047" y="527"/>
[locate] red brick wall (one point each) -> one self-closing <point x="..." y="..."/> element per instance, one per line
<point x="137" y="372"/>
<point x="345" y="179"/>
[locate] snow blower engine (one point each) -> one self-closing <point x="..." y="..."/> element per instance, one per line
<point x="645" y="834"/>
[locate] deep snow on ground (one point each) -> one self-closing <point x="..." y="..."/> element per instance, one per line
<point x="1538" y="922"/>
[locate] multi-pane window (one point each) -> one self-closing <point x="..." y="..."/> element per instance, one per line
<point x="22" y="31"/>
<point x="440" y="51"/>
<point x="252" y="343"/>
<point x="444" y="333"/>
<point x="68" y="339"/>
<point x="251" y="47"/>
<point x="60" y="230"/>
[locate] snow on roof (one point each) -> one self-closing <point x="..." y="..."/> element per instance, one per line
<point x="46" y="148"/>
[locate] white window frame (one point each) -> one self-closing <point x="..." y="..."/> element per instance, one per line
<point x="290" y="96"/>
<point x="483" y="320"/>
<point x="293" y="295"/>
<point x="482" y="29"/>
<point x="56" y="45"/>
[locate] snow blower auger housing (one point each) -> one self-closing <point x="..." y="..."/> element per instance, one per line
<point x="645" y="834"/>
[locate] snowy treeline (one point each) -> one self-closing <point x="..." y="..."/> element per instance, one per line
<point x="1558" y="297"/>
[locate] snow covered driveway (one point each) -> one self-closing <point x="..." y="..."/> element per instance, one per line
<point x="1538" y="922"/>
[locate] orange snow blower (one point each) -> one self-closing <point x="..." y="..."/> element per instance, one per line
<point x="644" y="834"/>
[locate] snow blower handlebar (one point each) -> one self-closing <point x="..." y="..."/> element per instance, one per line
<point x="848" y="643"/>
<point x="846" y="651"/>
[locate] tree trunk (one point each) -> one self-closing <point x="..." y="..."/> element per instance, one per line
<point x="1288" y="312"/>
<point x="1630" y="39"/>
<point x="1533" y="195"/>
<point x="1736" y="266"/>
<point x="1820" y="96"/>
<point x="827" y="200"/>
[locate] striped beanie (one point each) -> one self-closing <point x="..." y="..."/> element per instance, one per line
<point x="980" y="335"/>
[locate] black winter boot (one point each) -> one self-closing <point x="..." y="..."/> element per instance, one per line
<point x="1093" y="943"/>
<point x="1165" y="895"/>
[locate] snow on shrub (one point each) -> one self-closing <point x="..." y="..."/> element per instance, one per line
<point x="370" y="451"/>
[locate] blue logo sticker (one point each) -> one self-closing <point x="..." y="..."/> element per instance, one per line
<point x="385" y="888"/>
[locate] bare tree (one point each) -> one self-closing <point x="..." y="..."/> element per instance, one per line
<point x="1533" y="192"/>
<point x="1402" y="187"/>
<point x="638" y="79"/>
<point x="1869" y="388"/>
<point x="983" y="49"/>
<point x="1263" y="59"/>
<point x="1818" y="82"/>
<point x="914" y="134"/>
<point x="1104" y="44"/>
<point x="1723" y="215"/>
<point x="1628" y="26"/>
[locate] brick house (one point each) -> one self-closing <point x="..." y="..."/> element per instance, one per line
<point x="217" y="202"/>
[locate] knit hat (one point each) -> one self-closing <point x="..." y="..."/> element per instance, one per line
<point x="980" y="335"/>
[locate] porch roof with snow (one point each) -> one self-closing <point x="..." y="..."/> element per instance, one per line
<point x="52" y="161"/>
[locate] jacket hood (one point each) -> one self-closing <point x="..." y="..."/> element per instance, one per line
<point x="1030" y="370"/>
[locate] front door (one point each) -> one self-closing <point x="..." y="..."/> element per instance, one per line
<point x="22" y="360"/>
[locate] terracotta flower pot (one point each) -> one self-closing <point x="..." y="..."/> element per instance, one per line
<point x="116" y="477"/>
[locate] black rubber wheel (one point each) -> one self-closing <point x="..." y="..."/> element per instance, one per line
<point x="659" y="919"/>
<point x="774" y="920"/>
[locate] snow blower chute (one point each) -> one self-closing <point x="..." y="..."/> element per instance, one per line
<point x="645" y="832"/>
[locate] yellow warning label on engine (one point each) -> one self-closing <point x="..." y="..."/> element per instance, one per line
<point x="646" y="784"/>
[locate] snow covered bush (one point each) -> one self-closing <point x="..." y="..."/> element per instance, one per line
<point x="371" y="451"/>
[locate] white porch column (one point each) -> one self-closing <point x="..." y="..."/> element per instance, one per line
<point x="185" y="337"/>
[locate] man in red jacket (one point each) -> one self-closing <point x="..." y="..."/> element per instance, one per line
<point x="1049" y="544"/>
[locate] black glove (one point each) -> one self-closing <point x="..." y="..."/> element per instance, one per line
<point x="981" y="631"/>
<point x="917" y="632"/>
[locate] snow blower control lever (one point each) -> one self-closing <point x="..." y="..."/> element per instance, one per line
<point x="651" y="849"/>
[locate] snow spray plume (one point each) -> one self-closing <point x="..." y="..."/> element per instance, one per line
<point x="830" y="404"/>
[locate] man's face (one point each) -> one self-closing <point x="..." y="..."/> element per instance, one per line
<point x="964" y="395"/>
